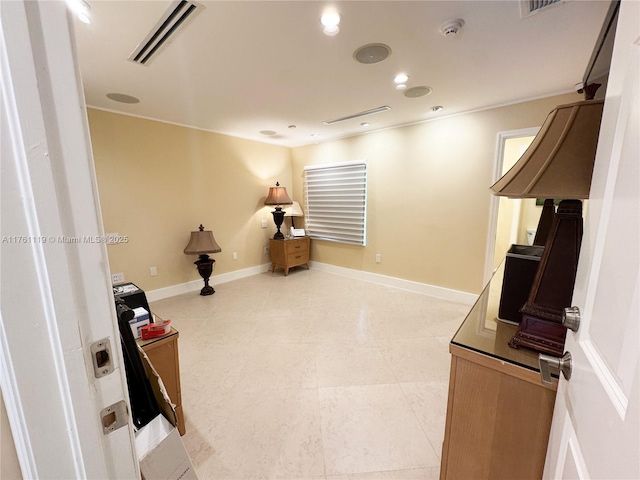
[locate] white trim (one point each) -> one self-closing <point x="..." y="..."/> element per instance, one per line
<point x="195" y="285"/>
<point x="501" y="139"/>
<point x="15" y="412"/>
<point x="415" y="287"/>
<point x="609" y="383"/>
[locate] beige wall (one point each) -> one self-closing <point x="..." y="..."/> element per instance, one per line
<point x="429" y="198"/>
<point x="157" y="182"/>
<point x="428" y="204"/>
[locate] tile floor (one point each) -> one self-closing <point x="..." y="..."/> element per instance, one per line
<point x="313" y="376"/>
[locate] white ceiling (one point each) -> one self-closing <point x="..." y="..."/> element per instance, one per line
<point x="241" y="67"/>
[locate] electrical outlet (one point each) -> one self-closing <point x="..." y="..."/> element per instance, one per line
<point x="266" y="250"/>
<point x="378" y="258"/>
<point x="153" y="271"/>
<point x="235" y="255"/>
<point x="117" y="277"/>
<point x="263" y="223"/>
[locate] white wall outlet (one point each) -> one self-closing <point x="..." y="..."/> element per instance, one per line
<point x="153" y="271"/>
<point x="378" y="258"/>
<point x="235" y="255"/>
<point x="117" y="277"/>
<point x="263" y="223"/>
<point x="266" y="250"/>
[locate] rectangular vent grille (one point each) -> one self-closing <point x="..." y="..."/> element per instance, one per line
<point x="358" y="115"/>
<point x="531" y="7"/>
<point x="172" y="20"/>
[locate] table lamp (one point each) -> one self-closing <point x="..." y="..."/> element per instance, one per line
<point x="201" y="243"/>
<point x="278" y="196"/>
<point x="293" y="211"/>
<point x="558" y="164"/>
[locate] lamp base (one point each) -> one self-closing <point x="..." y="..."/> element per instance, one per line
<point x="205" y="268"/>
<point x="278" y="218"/>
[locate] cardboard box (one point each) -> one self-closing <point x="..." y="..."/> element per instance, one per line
<point x="140" y="320"/>
<point x="161" y="452"/>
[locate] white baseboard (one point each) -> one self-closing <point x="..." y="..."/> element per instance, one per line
<point x="423" y="288"/>
<point x="416" y="287"/>
<point x="195" y="285"/>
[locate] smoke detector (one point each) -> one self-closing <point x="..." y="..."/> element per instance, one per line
<point x="452" y="27"/>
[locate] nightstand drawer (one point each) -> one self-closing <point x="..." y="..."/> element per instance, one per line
<point x="296" y="246"/>
<point x="298" y="258"/>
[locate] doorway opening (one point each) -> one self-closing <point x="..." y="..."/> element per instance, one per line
<point x="511" y="221"/>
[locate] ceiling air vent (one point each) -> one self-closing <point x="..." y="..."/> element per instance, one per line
<point x="531" y="7"/>
<point x="175" y="17"/>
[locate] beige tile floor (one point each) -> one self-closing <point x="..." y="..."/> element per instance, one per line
<point x="313" y="376"/>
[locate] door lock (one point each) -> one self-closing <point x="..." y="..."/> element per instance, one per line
<point x="562" y="364"/>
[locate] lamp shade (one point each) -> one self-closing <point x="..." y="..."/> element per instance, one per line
<point x="559" y="161"/>
<point x="278" y="196"/>
<point x="294" y="210"/>
<point x="202" y="242"/>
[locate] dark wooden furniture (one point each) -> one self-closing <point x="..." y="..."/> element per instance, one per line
<point x="498" y="411"/>
<point x="163" y="355"/>
<point x="289" y="253"/>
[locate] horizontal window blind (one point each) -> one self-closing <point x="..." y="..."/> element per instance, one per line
<point x="336" y="202"/>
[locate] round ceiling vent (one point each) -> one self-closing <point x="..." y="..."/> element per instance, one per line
<point x="122" y="98"/>
<point x="372" y="53"/>
<point x="415" y="92"/>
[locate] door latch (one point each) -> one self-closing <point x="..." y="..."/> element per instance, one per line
<point x="114" y="416"/>
<point x="101" y="357"/>
<point x="562" y="364"/>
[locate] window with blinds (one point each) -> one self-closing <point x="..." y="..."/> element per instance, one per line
<point x="336" y="202"/>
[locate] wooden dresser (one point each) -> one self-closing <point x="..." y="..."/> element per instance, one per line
<point x="289" y="253"/>
<point x="163" y="355"/>
<point x="498" y="412"/>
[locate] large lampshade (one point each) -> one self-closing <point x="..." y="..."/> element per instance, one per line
<point x="278" y="196"/>
<point x="202" y="242"/>
<point x="559" y="161"/>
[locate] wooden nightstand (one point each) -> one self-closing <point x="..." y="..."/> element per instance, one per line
<point x="499" y="412"/>
<point x="289" y="253"/>
<point x="163" y="355"/>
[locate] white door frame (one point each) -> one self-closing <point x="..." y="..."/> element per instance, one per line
<point x="501" y="140"/>
<point x="55" y="284"/>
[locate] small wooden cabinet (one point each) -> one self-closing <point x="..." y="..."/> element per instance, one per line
<point x="289" y="253"/>
<point x="498" y="412"/>
<point x="163" y="355"/>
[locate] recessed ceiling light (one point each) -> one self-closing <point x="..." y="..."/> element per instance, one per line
<point x="415" y="92"/>
<point x="330" y="22"/>
<point x="122" y="98"/>
<point x="401" y="78"/>
<point x="371" y="53"/>
<point x="437" y="108"/>
<point x="402" y="86"/>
